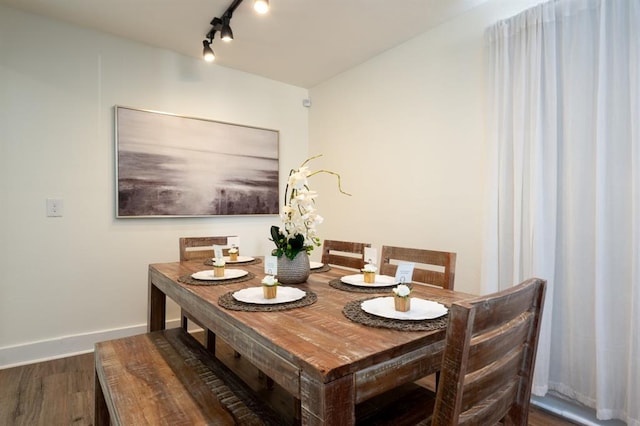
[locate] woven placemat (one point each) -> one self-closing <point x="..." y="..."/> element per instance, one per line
<point x="354" y="312"/>
<point x="323" y="268"/>
<point x="188" y="279"/>
<point x="338" y="284"/>
<point x="227" y="301"/>
<point x="255" y="261"/>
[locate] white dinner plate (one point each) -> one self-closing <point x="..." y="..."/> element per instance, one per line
<point x="229" y="274"/>
<point x="316" y="265"/>
<point x="358" y="279"/>
<point x="256" y="295"/>
<point x="241" y="259"/>
<point x="421" y="309"/>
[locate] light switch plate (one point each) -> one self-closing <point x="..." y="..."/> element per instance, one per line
<point x="54" y="207"/>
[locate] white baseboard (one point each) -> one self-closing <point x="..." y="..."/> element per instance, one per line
<point x="45" y="350"/>
<point x="573" y="412"/>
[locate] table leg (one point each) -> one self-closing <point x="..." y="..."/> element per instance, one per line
<point x="157" y="308"/>
<point x="101" y="412"/>
<point x="327" y="404"/>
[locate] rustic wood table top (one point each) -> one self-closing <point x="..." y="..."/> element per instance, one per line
<point x="316" y="353"/>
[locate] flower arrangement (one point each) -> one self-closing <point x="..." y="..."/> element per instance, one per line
<point x="218" y="267"/>
<point x="401" y="299"/>
<point x="233" y="253"/>
<point x="270" y="287"/>
<point x="369" y="273"/>
<point x="299" y="216"/>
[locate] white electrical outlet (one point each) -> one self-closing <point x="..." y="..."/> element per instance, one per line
<point x="54" y="207"/>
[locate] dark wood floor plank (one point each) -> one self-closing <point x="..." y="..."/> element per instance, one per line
<point x="46" y="393"/>
<point x="61" y="392"/>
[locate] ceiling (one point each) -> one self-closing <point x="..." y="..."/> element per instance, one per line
<point x="299" y="42"/>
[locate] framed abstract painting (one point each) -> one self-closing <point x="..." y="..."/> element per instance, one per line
<point x="175" y="166"/>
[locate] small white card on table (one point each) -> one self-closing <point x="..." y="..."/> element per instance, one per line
<point x="217" y="252"/>
<point x="371" y="255"/>
<point x="271" y="265"/>
<point x="233" y="241"/>
<point x="404" y="273"/>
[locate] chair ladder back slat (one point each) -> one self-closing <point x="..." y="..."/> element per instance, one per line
<point x="482" y="385"/>
<point x="344" y="253"/>
<point x="491" y="313"/>
<point x="491" y="414"/>
<point x="487" y="347"/>
<point x="347" y="262"/>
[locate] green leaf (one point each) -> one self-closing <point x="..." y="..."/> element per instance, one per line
<point x="276" y="236"/>
<point x="297" y="243"/>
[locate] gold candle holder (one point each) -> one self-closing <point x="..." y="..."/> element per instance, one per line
<point x="270" y="291"/>
<point x="402" y="304"/>
<point x="369" y="277"/>
<point x="218" y="271"/>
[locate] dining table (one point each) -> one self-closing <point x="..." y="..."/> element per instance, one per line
<point x="323" y="348"/>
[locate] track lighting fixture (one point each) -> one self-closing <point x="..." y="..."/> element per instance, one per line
<point x="224" y="26"/>
<point x="207" y="51"/>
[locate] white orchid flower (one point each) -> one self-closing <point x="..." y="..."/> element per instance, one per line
<point x="298" y="179"/>
<point x="299" y="216"/>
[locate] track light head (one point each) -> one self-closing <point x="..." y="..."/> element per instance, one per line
<point x="261" y="6"/>
<point x="207" y="51"/>
<point x="225" y="33"/>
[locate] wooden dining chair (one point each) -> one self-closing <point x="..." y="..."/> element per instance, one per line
<point x="194" y="248"/>
<point x="489" y="357"/>
<point x="487" y="365"/>
<point x="346" y="254"/>
<point x="432" y="267"/>
<point x="436" y="268"/>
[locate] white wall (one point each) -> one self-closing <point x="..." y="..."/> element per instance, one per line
<point x="406" y="132"/>
<point x="67" y="281"/>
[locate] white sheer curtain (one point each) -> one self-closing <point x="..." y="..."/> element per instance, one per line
<point x="564" y="191"/>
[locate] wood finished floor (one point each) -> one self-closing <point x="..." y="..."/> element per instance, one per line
<point x="60" y="392"/>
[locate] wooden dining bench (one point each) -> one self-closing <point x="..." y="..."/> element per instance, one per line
<point x="168" y="378"/>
